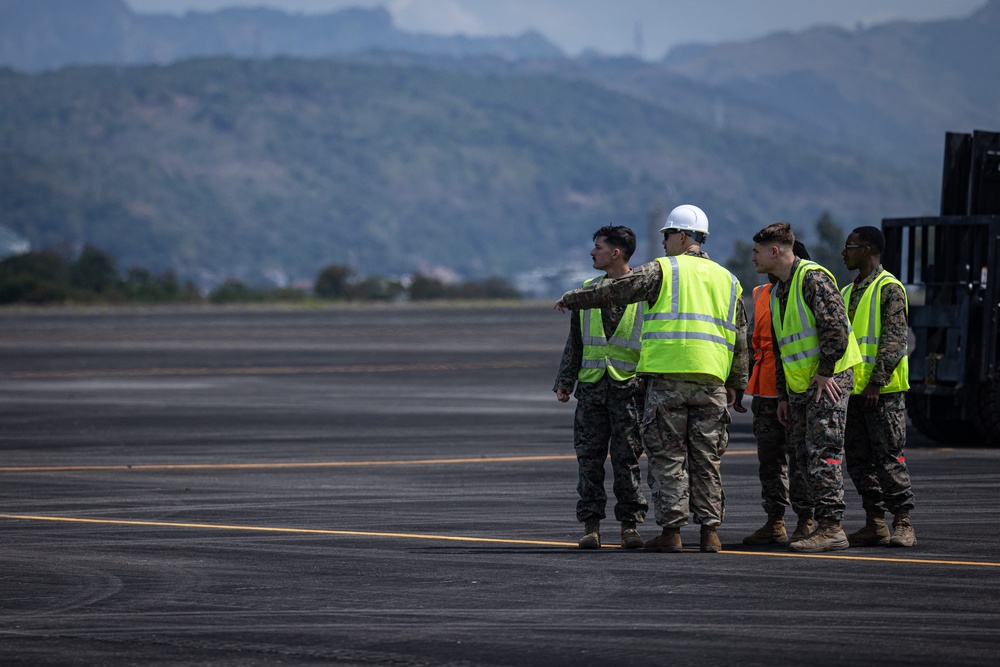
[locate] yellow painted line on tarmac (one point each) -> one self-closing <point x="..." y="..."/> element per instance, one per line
<point x="272" y="370"/>
<point x="307" y="464"/>
<point x="876" y="559"/>
<point x="292" y="531"/>
<point x="460" y="538"/>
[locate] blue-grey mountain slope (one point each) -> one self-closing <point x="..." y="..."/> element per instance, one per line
<point x="38" y="35"/>
<point x="225" y="166"/>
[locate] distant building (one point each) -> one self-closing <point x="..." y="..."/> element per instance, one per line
<point x="12" y="244"/>
<point x="552" y="282"/>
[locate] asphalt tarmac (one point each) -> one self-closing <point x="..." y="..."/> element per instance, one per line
<point x="395" y="485"/>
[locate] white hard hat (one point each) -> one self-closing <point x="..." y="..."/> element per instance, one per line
<point x="687" y="218"/>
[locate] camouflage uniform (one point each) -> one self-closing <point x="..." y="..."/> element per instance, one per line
<point x="817" y="431"/>
<point x="685" y="429"/>
<point x="781" y="484"/>
<point x="876" y="435"/>
<point x="606" y="421"/>
<point x="685" y="420"/>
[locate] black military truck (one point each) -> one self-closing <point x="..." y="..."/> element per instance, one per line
<point x="951" y="268"/>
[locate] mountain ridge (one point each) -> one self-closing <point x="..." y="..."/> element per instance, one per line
<point x="41" y="35"/>
<point x="393" y="161"/>
<point x="891" y="88"/>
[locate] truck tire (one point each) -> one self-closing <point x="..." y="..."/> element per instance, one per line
<point x="988" y="413"/>
<point x="945" y="431"/>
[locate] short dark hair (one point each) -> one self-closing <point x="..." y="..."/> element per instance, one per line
<point x="779" y="233"/>
<point x="871" y="236"/>
<point x="799" y="248"/>
<point x="620" y="237"/>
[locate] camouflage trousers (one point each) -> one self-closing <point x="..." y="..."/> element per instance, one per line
<point x="873" y="449"/>
<point x="609" y="425"/>
<point x="685" y="429"/>
<point x="817" y="435"/>
<point x="781" y="484"/>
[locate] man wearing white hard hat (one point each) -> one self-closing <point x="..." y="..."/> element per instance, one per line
<point x="694" y="361"/>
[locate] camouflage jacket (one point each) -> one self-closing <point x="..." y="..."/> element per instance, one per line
<point x="832" y="326"/>
<point x="643" y="283"/>
<point x="892" y="342"/>
<point x="569" y="365"/>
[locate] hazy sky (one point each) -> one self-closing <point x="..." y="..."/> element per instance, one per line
<point x="611" y="26"/>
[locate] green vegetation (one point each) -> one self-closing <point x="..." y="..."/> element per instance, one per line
<point x="824" y="246"/>
<point x="424" y="288"/>
<point x="48" y="277"/>
<point x="228" y="168"/>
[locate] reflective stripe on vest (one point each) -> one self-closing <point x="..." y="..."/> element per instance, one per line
<point x="692" y="326"/>
<point x="798" y="339"/>
<point x="763" y="381"/>
<point x="618" y="356"/>
<point x="868" y="321"/>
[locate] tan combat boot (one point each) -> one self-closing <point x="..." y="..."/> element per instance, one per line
<point x="828" y="537"/>
<point x="669" y="541"/>
<point x="591" y="535"/>
<point x="803" y="529"/>
<point x="630" y="536"/>
<point x="773" y="532"/>
<point x="710" y="543"/>
<point x="874" y="533"/>
<point x="902" y="531"/>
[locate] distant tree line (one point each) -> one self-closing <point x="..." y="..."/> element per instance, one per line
<point x="336" y="282"/>
<point x="47" y="277"/>
<point x="824" y="246"/>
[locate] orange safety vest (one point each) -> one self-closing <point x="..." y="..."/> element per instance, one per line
<point x="763" y="380"/>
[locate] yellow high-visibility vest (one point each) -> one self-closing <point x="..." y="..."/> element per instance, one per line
<point x="618" y="355"/>
<point x="867" y="325"/>
<point x="692" y="326"/>
<point x="798" y="340"/>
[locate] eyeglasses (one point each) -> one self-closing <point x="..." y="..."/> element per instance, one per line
<point x="849" y="246"/>
<point x="668" y="232"/>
